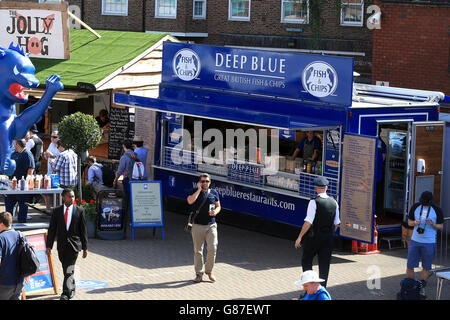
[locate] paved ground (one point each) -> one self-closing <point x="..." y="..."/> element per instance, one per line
<point x="250" y="265"/>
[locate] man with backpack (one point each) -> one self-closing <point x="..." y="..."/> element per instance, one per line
<point x="99" y="175"/>
<point x="126" y="165"/>
<point x="10" y="283"/>
<point x="427" y="219"/>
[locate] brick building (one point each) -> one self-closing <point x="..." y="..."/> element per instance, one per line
<point x="301" y="25"/>
<point x="412" y="48"/>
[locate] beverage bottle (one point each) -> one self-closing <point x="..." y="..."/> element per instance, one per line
<point x="30" y="182"/>
<point x="37" y="182"/>
<point x="308" y="167"/>
<point x="14" y="183"/>
<point x="47" y="182"/>
<point x="22" y="183"/>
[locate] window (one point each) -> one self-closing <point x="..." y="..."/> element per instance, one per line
<point x="239" y="10"/>
<point x="166" y="8"/>
<point x="115" y="7"/>
<point x="49" y="1"/>
<point x="294" y="11"/>
<point x="352" y="13"/>
<point x="199" y="9"/>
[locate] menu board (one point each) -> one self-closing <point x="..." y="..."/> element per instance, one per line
<point x="44" y="278"/>
<point x="146" y="204"/>
<point x="121" y="128"/>
<point x="358" y="172"/>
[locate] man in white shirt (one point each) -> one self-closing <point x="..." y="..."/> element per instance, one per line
<point x="51" y="154"/>
<point x="317" y="234"/>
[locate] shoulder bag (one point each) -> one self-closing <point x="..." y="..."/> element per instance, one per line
<point x="193" y="215"/>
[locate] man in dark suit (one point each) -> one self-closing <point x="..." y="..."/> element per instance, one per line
<point x="68" y="225"/>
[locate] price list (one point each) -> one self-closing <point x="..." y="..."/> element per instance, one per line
<point x="357" y="187"/>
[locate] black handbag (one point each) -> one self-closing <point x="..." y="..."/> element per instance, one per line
<point x="193" y="215"/>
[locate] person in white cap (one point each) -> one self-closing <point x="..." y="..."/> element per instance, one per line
<point x="311" y="284"/>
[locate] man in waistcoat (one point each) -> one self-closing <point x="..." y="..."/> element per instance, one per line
<point x="317" y="233"/>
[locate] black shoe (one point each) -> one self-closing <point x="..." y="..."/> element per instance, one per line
<point x="64" y="297"/>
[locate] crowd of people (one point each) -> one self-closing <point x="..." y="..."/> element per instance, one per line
<point x="68" y="221"/>
<point x="28" y="154"/>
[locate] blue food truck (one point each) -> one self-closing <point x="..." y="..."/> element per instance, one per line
<point x="240" y="114"/>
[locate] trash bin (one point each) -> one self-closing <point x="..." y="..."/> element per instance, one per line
<point x="111" y="214"/>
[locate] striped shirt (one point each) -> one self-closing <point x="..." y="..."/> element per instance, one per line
<point x="66" y="166"/>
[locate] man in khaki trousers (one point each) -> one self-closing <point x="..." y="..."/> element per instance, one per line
<point x="204" y="228"/>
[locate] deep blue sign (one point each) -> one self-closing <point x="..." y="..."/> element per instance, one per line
<point x="309" y="77"/>
<point x="246" y="172"/>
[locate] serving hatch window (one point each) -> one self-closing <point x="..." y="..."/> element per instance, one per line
<point x="277" y="158"/>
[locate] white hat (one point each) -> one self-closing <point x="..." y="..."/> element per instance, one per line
<point x="308" y="276"/>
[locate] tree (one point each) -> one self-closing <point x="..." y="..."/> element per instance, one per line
<point x="79" y="132"/>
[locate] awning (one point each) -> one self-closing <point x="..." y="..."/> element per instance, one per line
<point x="65" y="95"/>
<point x="228" y="113"/>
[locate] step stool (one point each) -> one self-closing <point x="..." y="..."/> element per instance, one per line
<point x="393" y="239"/>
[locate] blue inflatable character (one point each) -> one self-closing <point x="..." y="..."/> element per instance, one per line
<point x="16" y="74"/>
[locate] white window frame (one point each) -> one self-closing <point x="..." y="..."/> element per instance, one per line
<point x="112" y="13"/>
<point x="230" y="17"/>
<point x="49" y="1"/>
<point x="203" y="15"/>
<point x="165" y="16"/>
<point x="287" y="20"/>
<point x="352" y="23"/>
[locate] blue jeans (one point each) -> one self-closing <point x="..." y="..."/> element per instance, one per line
<point x="10" y="202"/>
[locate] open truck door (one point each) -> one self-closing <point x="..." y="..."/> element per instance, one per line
<point x="427" y="149"/>
<point x="357" y="189"/>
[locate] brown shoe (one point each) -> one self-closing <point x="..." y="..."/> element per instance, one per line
<point x="211" y="277"/>
<point x="198" y="278"/>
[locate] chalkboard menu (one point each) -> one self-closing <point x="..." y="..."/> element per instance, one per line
<point x="121" y="128"/>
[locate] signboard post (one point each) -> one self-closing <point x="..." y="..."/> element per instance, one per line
<point x="357" y="219"/>
<point x="146" y="205"/>
<point x="38" y="29"/>
<point x="43" y="280"/>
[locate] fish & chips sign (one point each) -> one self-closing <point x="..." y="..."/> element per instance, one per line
<point x="39" y="29"/>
